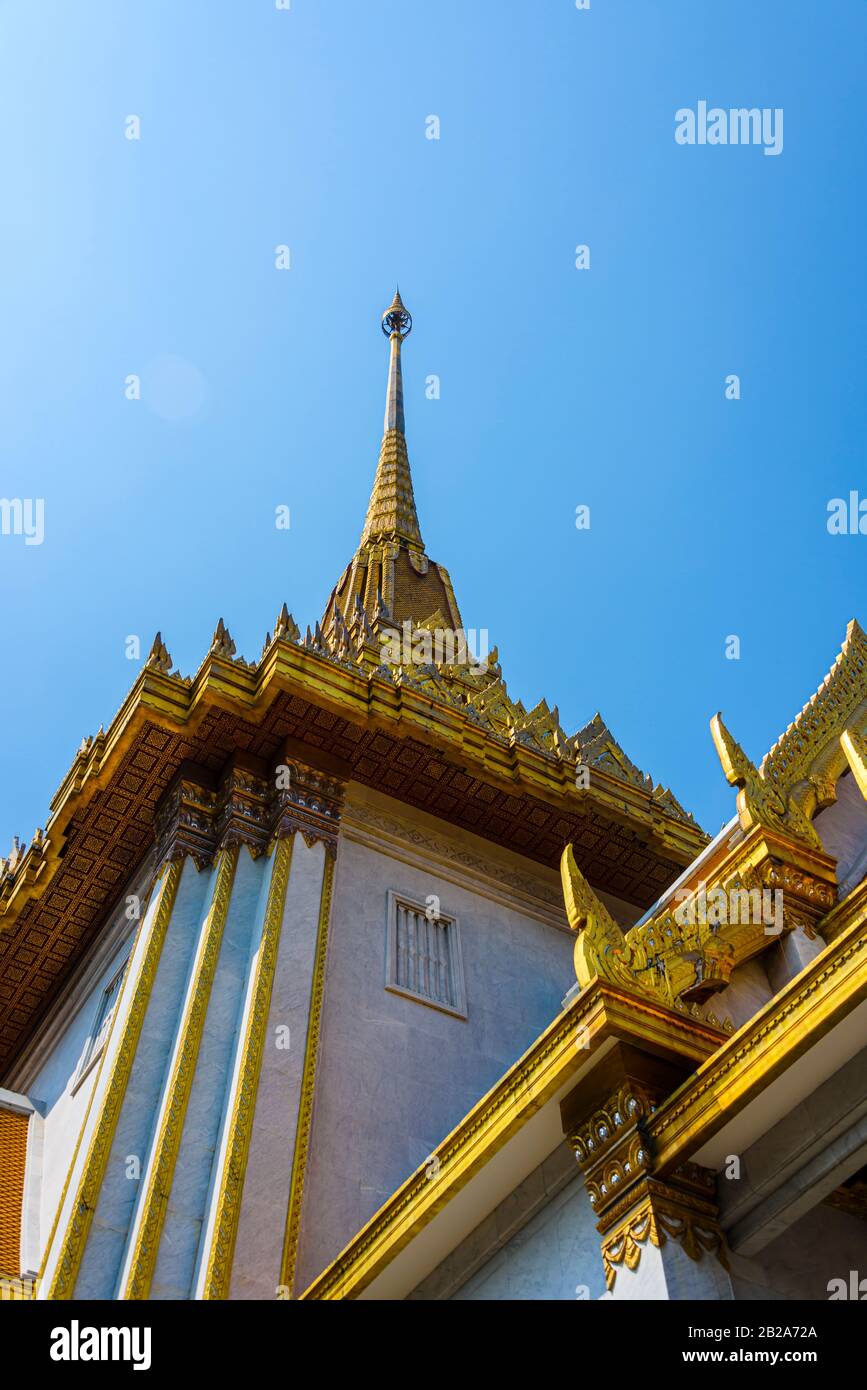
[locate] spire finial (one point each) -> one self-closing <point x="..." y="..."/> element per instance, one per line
<point x="397" y="320"/>
<point x="396" y="325"/>
<point x="391" y="511"/>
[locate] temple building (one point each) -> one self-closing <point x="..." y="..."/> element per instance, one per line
<point x="340" y="973"/>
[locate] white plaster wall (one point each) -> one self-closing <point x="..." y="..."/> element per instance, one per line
<point x="554" y="1257"/>
<point x="395" y="1076"/>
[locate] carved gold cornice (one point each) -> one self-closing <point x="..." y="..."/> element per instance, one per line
<point x="247" y="808"/>
<point x="311" y="803"/>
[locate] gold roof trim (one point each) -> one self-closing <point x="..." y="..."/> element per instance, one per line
<point x="806" y="760"/>
<point x="516" y="748"/>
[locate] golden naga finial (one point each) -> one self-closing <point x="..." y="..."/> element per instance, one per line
<point x="601" y="949"/>
<point x="759" y="802"/>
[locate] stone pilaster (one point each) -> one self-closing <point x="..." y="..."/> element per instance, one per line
<point x="308" y="805"/>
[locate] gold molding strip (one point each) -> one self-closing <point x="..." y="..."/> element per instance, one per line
<point x="222" y="1250"/>
<point x="75" y="1235"/>
<point x="305" y="1103"/>
<point x="168" y="1140"/>
<point x="854" y="745"/>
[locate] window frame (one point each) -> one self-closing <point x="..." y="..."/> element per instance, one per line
<point x="455" y="957"/>
<point x="92" y="1052"/>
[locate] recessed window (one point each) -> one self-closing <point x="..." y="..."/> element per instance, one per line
<point x="101" y="1024"/>
<point x="423" y="955"/>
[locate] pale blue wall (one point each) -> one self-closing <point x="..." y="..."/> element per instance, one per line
<point x="555" y="1256"/>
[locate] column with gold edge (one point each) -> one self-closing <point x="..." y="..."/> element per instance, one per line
<point x="77" y="1205"/>
<point x="308" y="1083"/>
<point x="139" y="1265"/>
<point x="308" y="812"/>
<point x="222" y="1228"/>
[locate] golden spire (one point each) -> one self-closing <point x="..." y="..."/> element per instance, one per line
<point x="391" y="511"/>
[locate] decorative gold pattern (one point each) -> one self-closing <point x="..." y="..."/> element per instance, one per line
<point x="676" y="962"/>
<point x="228" y="1207"/>
<point x="310" y="804"/>
<point x="162" y="1164"/>
<point x="75" y="1235"/>
<point x="616" y="1156"/>
<point x="600" y="948"/>
<point x="803" y="757"/>
<point x="663" y="1212"/>
<point x="305" y="1105"/>
<point x="760" y="802"/>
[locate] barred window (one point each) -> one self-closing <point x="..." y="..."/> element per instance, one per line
<point x="423" y="956"/>
<point x="101" y="1023"/>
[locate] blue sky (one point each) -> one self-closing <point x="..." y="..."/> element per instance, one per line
<point x="559" y="387"/>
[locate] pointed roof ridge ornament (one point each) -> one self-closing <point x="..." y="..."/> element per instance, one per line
<point x="391" y="511"/>
<point x="397" y="326"/>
